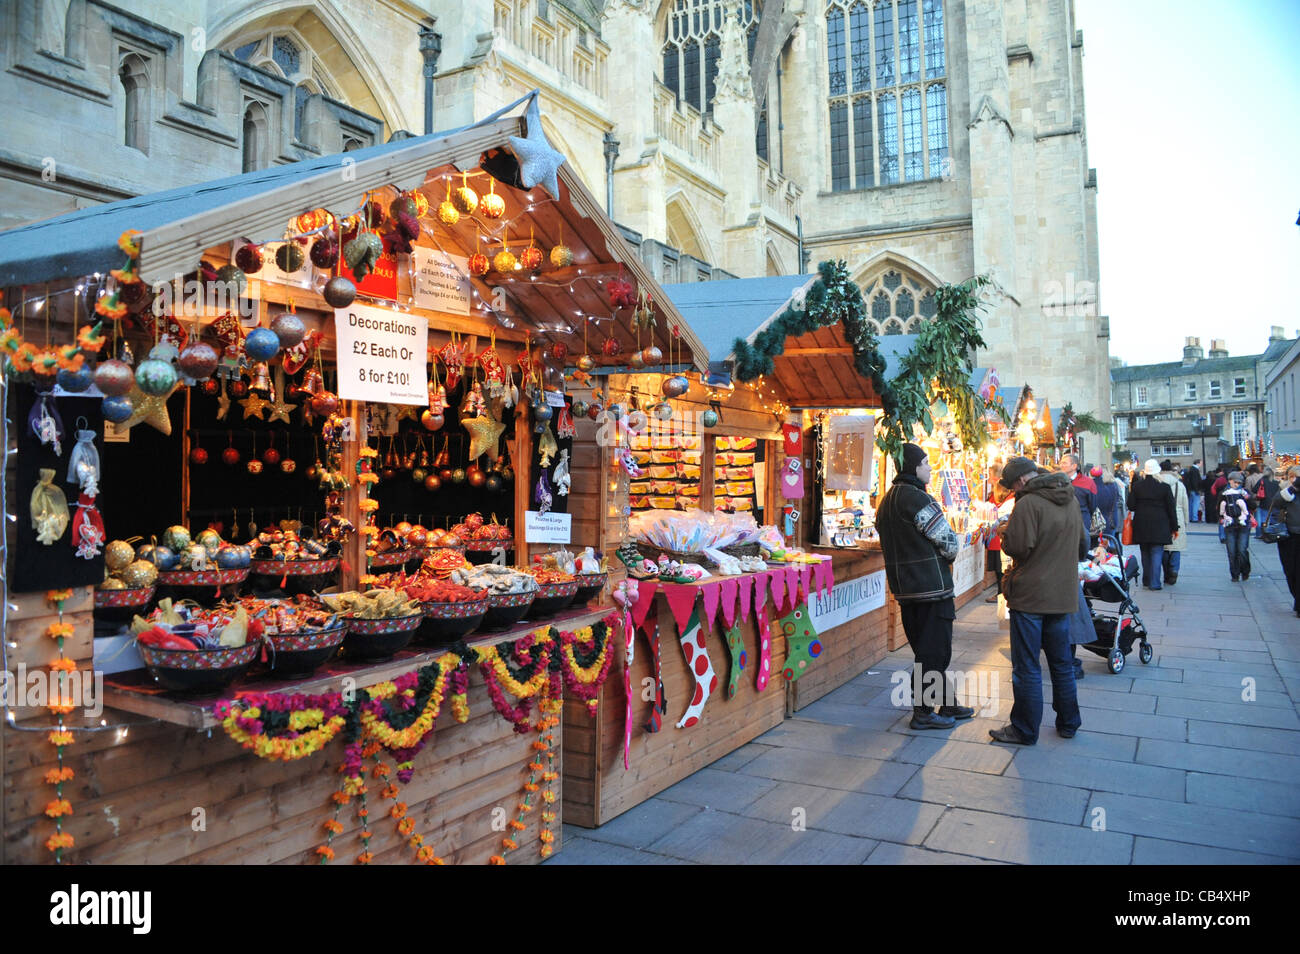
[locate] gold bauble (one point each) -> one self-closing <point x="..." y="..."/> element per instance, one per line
<point x="421" y="203"/>
<point x="117" y="555"/>
<point x="505" y="261"/>
<point x="492" y="206"/>
<point x="466" y="200"/>
<point x="140" y="574"/>
<point x="561" y="256"/>
<point x="112" y="583"/>
<point x="447" y="213"/>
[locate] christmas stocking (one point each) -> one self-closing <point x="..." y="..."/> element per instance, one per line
<point x="801" y="643"/>
<point x="764" y="648"/>
<point x="736" y="647"/>
<point x="660" y="703"/>
<point x="701" y="667"/>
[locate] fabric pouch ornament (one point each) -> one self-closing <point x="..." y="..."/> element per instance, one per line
<point x="543" y="496"/>
<point x="45" y="423"/>
<point x="87" y="528"/>
<point x="792" y="479"/>
<point x="564" y="422"/>
<point x="562" y="477"/>
<point x="83" y="464"/>
<point x="49" y="509"/>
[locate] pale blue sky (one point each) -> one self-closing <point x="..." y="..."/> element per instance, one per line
<point x="1193" y="113"/>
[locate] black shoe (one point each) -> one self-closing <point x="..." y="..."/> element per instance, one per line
<point x="925" y="719"/>
<point x="1235" y="580"/>
<point x="1010" y="735"/>
<point x="957" y="712"/>
<point x="1066" y="733"/>
<point x="1171" y="579"/>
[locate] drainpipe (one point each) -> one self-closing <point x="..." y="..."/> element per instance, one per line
<point x="611" y="153"/>
<point x="780" y="121"/>
<point x="430" y="49"/>
<point x="804" y="254"/>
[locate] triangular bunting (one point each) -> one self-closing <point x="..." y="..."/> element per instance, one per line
<point x="728" y="590"/>
<point x="776" y="580"/>
<point x="711" y="593"/>
<point x="792" y="587"/>
<point x="805" y="572"/>
<point x="680" y="600"/>
<point x="760" y="590"/>
<point x="746" y="597"/>
<point x="646" y="590"/>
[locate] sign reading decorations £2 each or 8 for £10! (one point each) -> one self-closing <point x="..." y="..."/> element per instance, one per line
<point x="381" y="355"/>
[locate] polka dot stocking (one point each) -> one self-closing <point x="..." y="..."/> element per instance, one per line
<point x="660" y="703"/>
<point x="764" y="649"/>
<point x="801" y="641"/>
<point x="701" y="667"/>
<point x="736" y="648"/>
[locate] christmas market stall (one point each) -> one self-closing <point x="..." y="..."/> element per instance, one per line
<point x="317" y="506"/>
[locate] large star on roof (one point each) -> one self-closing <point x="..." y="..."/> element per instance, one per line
<point x="538" y="162"/>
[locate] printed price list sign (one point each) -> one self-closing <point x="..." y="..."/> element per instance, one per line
<point x="381" y="355"/>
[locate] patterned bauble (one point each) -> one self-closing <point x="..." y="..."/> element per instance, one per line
<point x="211" y="387"/>
<point x="404" y="204"/>
<point x="233" y="278"/>
<point x="288" y="465"/>
<point x="637" y="360"/>
<point x="324" y="403"/>
<point x="118" y="555"/>
<point x="675" y="386"/>
<point x="313" y="220"/>
<point x="458" y="475"/>
<point x="558" y="352"/>
<point x="176" y="538"/>
<point x="155" y="377"/>
<point x="198" y="361"/>
<point x="113" y="377"/>
<point x="262" y="344"/>
<point x="75" y="382"/>
<point x="139" y="574"/>
<point x="448" y="214"/>
<point x="493" y="483"/>
<point x="209" y="540"/>
<point x="491" y="206"/>
<point x="289" y="328"/>
<point x="230" y="456"/>
<point x="542" y="411"/>
<point x="339" y="292"/>
<point x="652" y="356"/>
<point x="431" y="421"/>
<point x="531" y="258"/>
<point x="254" y="466"/>
<point x="289" y="257"/>
<point x="198" y="456"/>
<point x="505" y="261"/>
<point x="466" y="200"/>
<point x="479" y="264"/>
<point x="432" y="482"/>
<point x="709" y="418"/>
<point x="418" y="474"/>
<point x="594" y="410"/>
<point x="664" y="411"/>
<point x="561" y="256"/>
<point x="580" y="408"/>
<point x="249" y="259"/>
<point x="611" y="348"/>
<point x="325" y="252"/>
<point x="117" y="408"/>
<point x="239" y="388"/>
<point x="586" y="363"/>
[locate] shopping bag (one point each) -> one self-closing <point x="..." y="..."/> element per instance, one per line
<point x="1126" y="536"/>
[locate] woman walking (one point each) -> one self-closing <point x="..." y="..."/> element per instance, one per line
<point x="1234" y="518"/>
<point x="1287" y="504"/>
<point x="1155" y="521"/>
<point x="1174" y="552"/>
<point x="1108" y="500"/>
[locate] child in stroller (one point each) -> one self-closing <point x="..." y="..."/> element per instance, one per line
<point x="1107" y="577"/>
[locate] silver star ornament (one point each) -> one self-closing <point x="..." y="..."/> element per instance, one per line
<point x="538" y="162"/>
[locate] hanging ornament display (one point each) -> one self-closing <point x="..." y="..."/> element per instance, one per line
<point x="75" y="381"/>
<point x="448" y="214"/>
<point x="362" y="253"/>
<point x="464" y="198"/>
<point x="313" y="220"/>
<point x="710" y="417"/>
<point x="564" y="426"/>
<point x="675" y="386"/>
<point x="198" y="456"/>
<point x="479" y="265"/>
<point x="297" y="357"/>
<point x="621" y="292"/>
<point x="83" y="462"/>
<point x="637" y="360"/>
<point x="542" y="495"/>
<point x="249" y="258"/>
<point x="288" y="328"/>
<point x="117" y="408"/>
<point x="262" y="344"/>
<point x="239" y="388"/>
<point x="493" y="483"/>
<point x="289" y="257"/>
<point x="452" y="356"/>
<point x="504" y="261"/>
<point x="230" y="456"/>
<point x="324" y="403"/>
<point x="561" y="255"/>
<point x="474" y="476"/>
<point x="49" y="510"/>
<point x="611" y="348"/>
<point x="485" y="432"/>
<point x="155" y="377"/>
<point x="271" y="456"/>
<point x="532" y="258"/>
<point x="458" y="475"/>
<point x="197" y="362"/>
<point x="652" y="356"/>
<point x="253" y="465"/>
<point x="562" y="477"/>
<point x="324" y="252"/>
<point x="261" y="380"/>
<point x="492" y="206"/>
<point x="339" y="292"/>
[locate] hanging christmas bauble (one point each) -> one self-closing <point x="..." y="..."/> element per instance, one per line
<point x="448" y="214"/>
<point x="475" y="477"/>
<point x="594" y="410"/>
<point x="709" y="418"/>
<point x="117" y="555"/>
<point x="493" y="483"/>
<point x="445" y="474"/>
<point x="239" y="388"/>
<point x="465" y="200"/>
<point x="611" y="348"/>
<point x="404" y="204"/>
<point x="621" y="293"/>
<point x="387" y="473"/>
<point x="325" y="252"/>
<point x="432" y="482"/>
<point x="675" y="386"/>
<point x="249" y="258"/>
<point x="289" y="328"/>
<point x="508" y="474"/>
<point x="155" y="377"/>
<point x="505" y="261"/>
<point x="230" y="456"/>
<point x="198" y="456"/>
<point x="531" y="258"/>
<point x="233" y="278"/>
<point x="288" y="465"/>
<point x="139" y="574"/>
<point x="270" y="457"/>
<point x="561" y="256"/>
<point x="210" y="387"/>
<point x="586" y="363"/>
<point x="542" y="411"/>
<point x="75" y="382"/>
<point x="198" y="361"/>
<point x="262" y="344"/>
<point x="458" y="475"/>
<point x="580" y="408"/>
<point x="114" y="378"/>
<point x="313" y="220"/>
<point x="312" y="473"/>
<point x="117" y="408"/>
<point x="663" y="411"/>
<point x="637" y="360"/>
<point x="652" y="356"/>
<point x="324" y="403"/>
<point x="558" y="352"/>
<point x="491" y="206"/>
<point x="431" y="421"/>
<point x="254" y="466"/>
<point x="479" y="264"/>
<point x="418" y="474"/>
<point x="339" y="292"/>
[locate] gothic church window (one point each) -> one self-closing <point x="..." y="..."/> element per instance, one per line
<point x="693" y="24"/>
<point x="896" y="306"/>
<point x="887" y="92"/>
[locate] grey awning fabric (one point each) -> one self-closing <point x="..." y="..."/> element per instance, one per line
<point x="730" y="308"/>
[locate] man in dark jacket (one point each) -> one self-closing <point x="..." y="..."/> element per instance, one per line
<point x="1085" y="491"/>
<point x="1192" y="481"/>
<point x="919" y="547"/>
<point x="1045" y="540"/>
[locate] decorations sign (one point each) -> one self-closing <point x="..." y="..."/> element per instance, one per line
<point x="440" y="281"/>
<point x="847" y="601"/>
<point x="381" y="355"/>
<point x="547" y="527"/>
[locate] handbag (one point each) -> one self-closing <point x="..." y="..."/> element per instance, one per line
<point x="1098" y="521"/>
<point x="1126" y="535"/>
<point x="1274" y="527"/>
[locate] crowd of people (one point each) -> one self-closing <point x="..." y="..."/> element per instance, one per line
<point x="1048" y="520"/>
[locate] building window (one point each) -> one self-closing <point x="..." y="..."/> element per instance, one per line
<point x="1141" y="394"/>
<point x="256" y="137"/>
<point x="1140" y="422"/>
<point x="1121" y="430"/>
<point x="898" y="305"/>
<point x="1238" y="387"/>
<point x="696" y="23"/>
<point x="1216" y="389"/>
<point x="1189" y="391"/>
<point x="1241" y="430"/>
<point x="1187" y="449"/>
<point x="134" y="75"/>
<point x="286" y="55"/>
<point x="888" y="64"/>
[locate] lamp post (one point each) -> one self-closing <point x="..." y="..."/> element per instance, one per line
<point x="1201" y="424"/>
<point x="430" y="49"/>
<point x="611" y="154"/>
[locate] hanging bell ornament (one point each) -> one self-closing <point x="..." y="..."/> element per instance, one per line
<point x="339" y="292"/>
<point x="508" y="474"/>
<point x="312" y="384"/>
<point x="675" y="386"/>
<point x="289" y="328"/>
<point x="261" y="383"/>
<point x="652" y="356"/>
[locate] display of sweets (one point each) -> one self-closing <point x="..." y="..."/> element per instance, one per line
<point x="299" y="616"/>
<point x="379" y="603"/>
<point x="496" y="579"/>
<point x="184" y="626"/>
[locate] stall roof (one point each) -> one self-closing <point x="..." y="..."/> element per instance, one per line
<point x="730" y="308"/>
<point x="180" y="225"/>
<point x="1286" y="441"/>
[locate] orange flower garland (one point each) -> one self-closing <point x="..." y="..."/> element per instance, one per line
<point x="59" y="737"/>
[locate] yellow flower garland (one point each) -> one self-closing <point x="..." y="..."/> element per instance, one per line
<point x="521" y="690"/>
<point x="591" y="673"/>
<point x="285" y="750"/>
<point x="391" y="738"/>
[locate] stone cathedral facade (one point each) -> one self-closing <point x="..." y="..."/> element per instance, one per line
<point x="923" y="141"/>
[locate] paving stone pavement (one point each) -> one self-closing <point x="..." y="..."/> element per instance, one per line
<point x="1193" y="759"/>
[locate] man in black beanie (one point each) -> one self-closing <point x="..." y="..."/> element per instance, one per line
<point x="919" y="547"/>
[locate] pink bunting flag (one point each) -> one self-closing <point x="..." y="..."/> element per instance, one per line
<point x="828" y="574"/>
<point x="792" y="587"/>
<point x="681" y="598"/>
<point x="760" y="590"/>
<point x="646" y="590"/>
<point x="729" y="591"/>
<point x="805" y="573"/>
<point x="776" y="579"/>
<point x="711" y="593"/>
<point x="746" y="597"/>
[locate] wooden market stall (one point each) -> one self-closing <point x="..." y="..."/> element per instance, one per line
<point x="495" y="260"/>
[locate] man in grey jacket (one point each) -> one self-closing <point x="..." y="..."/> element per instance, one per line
<point x="919" y="547"/>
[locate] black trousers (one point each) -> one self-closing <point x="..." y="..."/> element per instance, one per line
<point x="928" y="627"/>
<point x="1288" y="551"/>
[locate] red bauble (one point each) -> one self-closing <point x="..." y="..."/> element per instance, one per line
<point x="239" y="388"/>
<point x="288" y="465"/>
<point x="475" y="477"/>
<point x="611" y="348"/>
<point x="559" y="351"/>
<point x="444" y="474"/>
<point x="531" y="258"/>
<point x="479" y="264"/>
<point x="324" y="403"/>
<point x="210" y="387"/>
<point x="198" y="456"/>
<point x="230" y="456"/>
<point x="431" y="421"/>
<point x="249" y="258"/>
<point x="621" y="293"/>
<point x="270" y="457"/>
<point x="432" y="482"/>
<point x="198" y="360"/>
<point x="254" y="466"/>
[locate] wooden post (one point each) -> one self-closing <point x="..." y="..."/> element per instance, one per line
<point x="708" y="458"/>
<point x="354" y="550"/>
<point x="521" y="453"/>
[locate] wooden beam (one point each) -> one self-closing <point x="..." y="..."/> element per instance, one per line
<point x="708" y="460"/>
<point x="561" y="275"/>
<point x="521" y="455"/>
<point x="805" y="352"/>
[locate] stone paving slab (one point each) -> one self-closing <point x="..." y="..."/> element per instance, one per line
<point x="720" y="838"/>
<point x="951" y="753"/>
<point x="1099" y="775"/>
<point x="1003" y="795"/>
<point x="1233" y="713"/>
<point x="578" y="850"/>
<point x="1232" y="693"/>
<point x="844" y="772"/>
<point x="847" y="813"/>
<point x="835" y="739"/>
<point x="1284" y="741"/>
<point x="1219" y="760"/>
<point x="1199" y="824"/>
<point x="742" y="756"/>
<point x="1131" y="723"/>
<point x="714" y="788"/>
<point x="1027" y="840"/>
<point x="1247" y="794"/>
<point x="889" y="854"/>
<point x="1157" y="851"/>
<point x="1231" y="680"/>
<point x="640" y="826"/>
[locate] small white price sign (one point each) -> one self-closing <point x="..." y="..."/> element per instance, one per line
<point x="381" y="355"/>
<point x="547" y="527"/>
<point x="440" y="281"/>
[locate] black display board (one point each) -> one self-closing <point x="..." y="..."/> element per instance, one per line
<point x="559" y="504"/>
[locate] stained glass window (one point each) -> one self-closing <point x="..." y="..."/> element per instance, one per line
<point x="913" y="159"/>
<point x="887" y="124"/>
<point x="860" y="46"/>
<point x="909" y="42"/>
<point x="934" y="58"/>
<point x="285" y="53"/>
<point x="884" y="29"/>
<point x="695" y="23"/>
<point x="835" y="50"/>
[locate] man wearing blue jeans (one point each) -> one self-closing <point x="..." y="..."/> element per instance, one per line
<point x="1045" y="539"/>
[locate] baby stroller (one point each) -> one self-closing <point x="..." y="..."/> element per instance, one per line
<point x="1116" y="629"/>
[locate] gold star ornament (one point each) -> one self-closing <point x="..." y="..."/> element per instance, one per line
<point x="484" y="432"/>
<point x="279" y="408"/>
<point x="254" y="406"/>
<point x="150" y="409"/>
